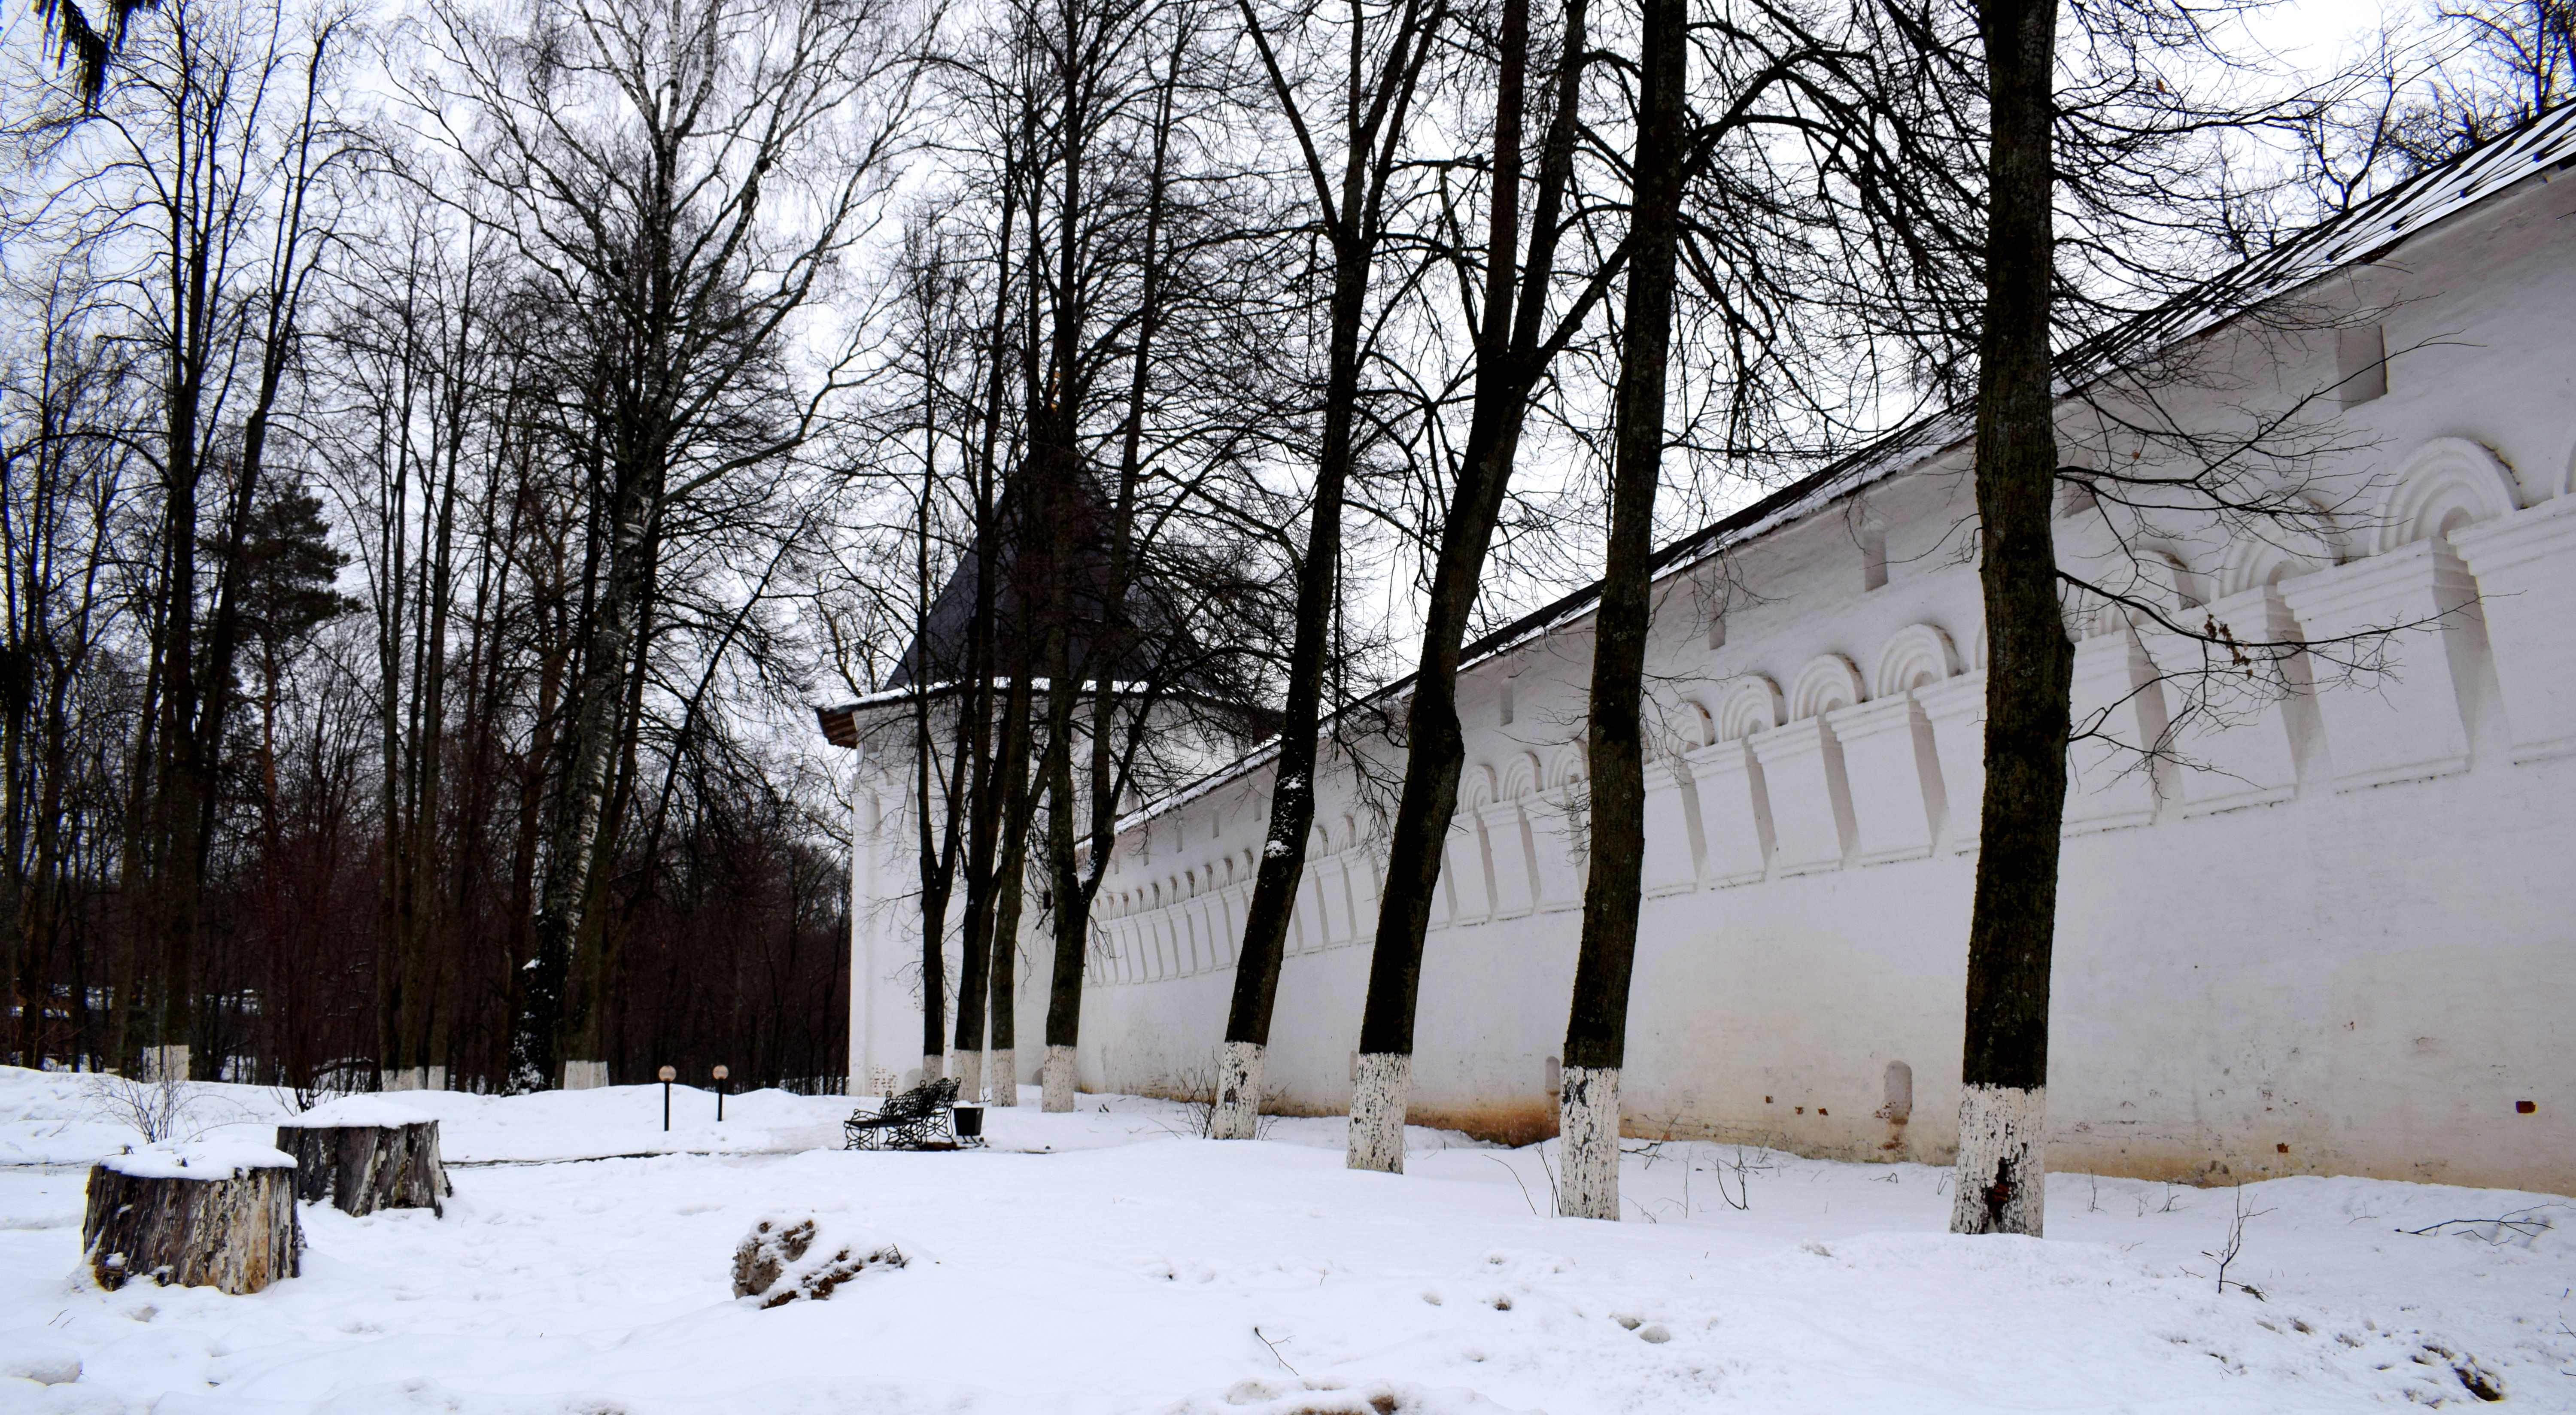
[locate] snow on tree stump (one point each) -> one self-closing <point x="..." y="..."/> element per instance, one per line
<point x="364" y="1155"/>
<point x="784" y="1260"/>
<point x="203" y="1214"/>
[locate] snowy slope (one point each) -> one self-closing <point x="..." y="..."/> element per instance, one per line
<point x="1105" y="1262"/>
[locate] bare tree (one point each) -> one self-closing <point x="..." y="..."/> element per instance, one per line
<point x="205" y="188"/>
<point x="60" y="477"/>
<point x="1596" y="1030"/>
<point x="1347" y="87"/>
<point x="1516" y="335"/>
<point x="682" y="183"/>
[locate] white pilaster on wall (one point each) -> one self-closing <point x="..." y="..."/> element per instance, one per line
<point x="1557" y="859"/>
<point x="1811" y="816"/>
<point x="1368" y="889"/>
<point x="1894" y="776"/>
<point x="2110" y="782"/>
<point x="2233" y="733"/>
<point x="1956" y="709"/>
<point x="1673" y="844"/>
<point x="1734" y="813"/>
<point x="2404" y="723"/>
<point x="2529" y="599"/>
<point x="1470" y="900"/>
<point x="1330" y="887"/>
<point x="1507" y="853"/>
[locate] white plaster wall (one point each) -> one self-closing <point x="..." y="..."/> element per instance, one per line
<point x="2350" y="955"/>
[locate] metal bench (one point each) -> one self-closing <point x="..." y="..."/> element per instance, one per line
<point x="919" y="1119"/>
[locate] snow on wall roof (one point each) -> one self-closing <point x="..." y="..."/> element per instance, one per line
<point x="2362" y="234"/>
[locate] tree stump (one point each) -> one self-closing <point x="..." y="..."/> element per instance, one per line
<point x="193" y="1215"/>
<point x="361" y="1168"/>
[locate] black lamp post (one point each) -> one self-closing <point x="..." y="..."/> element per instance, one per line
<point x="669" y="1074"/>
<point x="721" y="1074"/>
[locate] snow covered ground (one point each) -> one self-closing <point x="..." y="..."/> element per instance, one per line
<point x="1107" y="1262"/>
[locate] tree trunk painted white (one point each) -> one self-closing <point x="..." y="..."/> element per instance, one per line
<point x="1057" y="1079"/>
<point x="2002" y="1172"/>
<point x="1378" y="1098"/>
<point x="933" y="1066"/>
<point x="1002" y="1075"/>
<point x="1587" y="1183"/>
<point x="585" y="1075"/>
<point x="165" y="1063"/>
<point x="1238" y="1092"/>
<point x="970" y="1074"/>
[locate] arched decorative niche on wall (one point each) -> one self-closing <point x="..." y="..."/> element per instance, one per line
<point x="2089" y="615"/>
<point x="1567" y="767"/>
<point x="2281" y="553"/>
<point x="1752" y="705"/>
<point x="1475" y="786"/>
<point x="2167" y="580"/>
<point x="1691" y="726"/>
<point x="1916" y="655"/>
<point x="1827" y="682"/>
<point x="1520" y="777"/>
<point x="2447" y="483"/>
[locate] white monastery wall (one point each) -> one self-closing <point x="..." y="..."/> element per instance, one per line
<point x="2338" y="936"/>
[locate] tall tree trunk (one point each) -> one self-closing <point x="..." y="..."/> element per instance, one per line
<point x="168" y="912"/>
<point x="1075" y="889"/>
<point x="1596" y="1028"/>
<point x="1373" y="125"/>
<point x="2002" y="1166"/>
<point x="1292" y="797"/>
<point x="1001" y="986"/>
<point x="392" y="583"/>
<point x="582" y="824"/>
<point x="937" y="819"/>
<point x="1010" y="896"/>
<point x="992" y="886"/>
<point x="1511" y="353"/>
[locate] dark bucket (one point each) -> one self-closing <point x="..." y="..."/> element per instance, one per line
<point x="970" y="1122"/>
